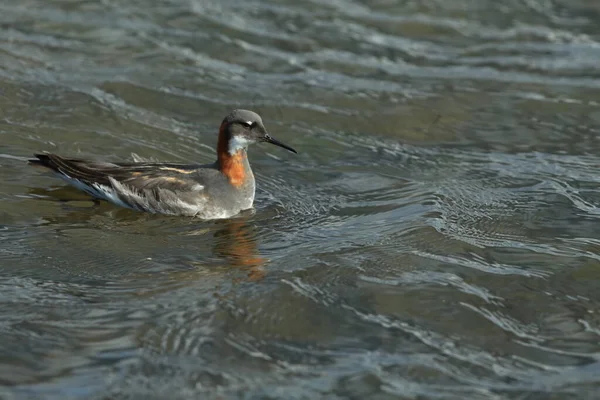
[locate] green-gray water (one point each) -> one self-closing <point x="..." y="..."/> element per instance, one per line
<point x="436" y="237"/>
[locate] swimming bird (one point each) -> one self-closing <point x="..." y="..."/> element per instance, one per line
<point x="211" y="191"/>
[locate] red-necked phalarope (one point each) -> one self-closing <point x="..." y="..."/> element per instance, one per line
<point x="218" y="190"/>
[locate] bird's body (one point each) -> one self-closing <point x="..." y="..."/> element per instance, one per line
<point x="212" y="191"/>
<point x="162" y="188"/>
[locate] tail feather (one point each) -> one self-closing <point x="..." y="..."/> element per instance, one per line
<point x="43" y="160"/>
<point x="69" y="171"/>
<point x="74" y="168"/>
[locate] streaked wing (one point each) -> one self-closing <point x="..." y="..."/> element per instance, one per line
<point x="167" y="188"/>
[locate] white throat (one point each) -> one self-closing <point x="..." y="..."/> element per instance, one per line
<point x="238" y="143"/>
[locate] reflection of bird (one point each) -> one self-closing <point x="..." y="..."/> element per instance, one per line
<point x="236" y="242"/>
<point x="218" y="190"/>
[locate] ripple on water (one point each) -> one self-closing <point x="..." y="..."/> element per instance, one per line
<point x="435" y="237"/>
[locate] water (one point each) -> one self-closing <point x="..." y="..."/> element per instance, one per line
<point x="436" y="238"/>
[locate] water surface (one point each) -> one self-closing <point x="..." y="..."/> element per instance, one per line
<point x="436" y="236"/>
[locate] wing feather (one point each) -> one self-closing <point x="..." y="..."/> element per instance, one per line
<point x="168" y="188"/>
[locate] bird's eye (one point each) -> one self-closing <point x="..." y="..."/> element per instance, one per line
<point x="248" y="124"/>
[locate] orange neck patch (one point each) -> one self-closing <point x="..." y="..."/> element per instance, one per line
<point x="232" y="166"/>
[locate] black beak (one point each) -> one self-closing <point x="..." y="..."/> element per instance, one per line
<point x="269" y="139"/>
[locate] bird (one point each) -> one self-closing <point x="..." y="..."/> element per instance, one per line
<point x="210" y="191"/>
